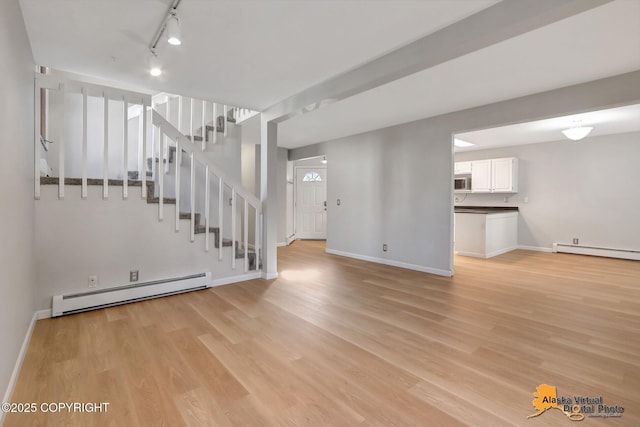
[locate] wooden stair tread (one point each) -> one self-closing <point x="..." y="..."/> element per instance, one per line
<point x="54" y="180"/>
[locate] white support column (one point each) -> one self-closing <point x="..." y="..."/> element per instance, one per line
<point x="143" y="168"/>
<point x="61" y="147"/>
<point x="84" y="144"/>
<point x="268" y="195"/>
<point x="125" y="148"/>
<point x="37" y="99"/>
<point x="105" y="154"/>
<point x="192" y="186"/>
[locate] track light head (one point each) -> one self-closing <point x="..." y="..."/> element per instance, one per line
<point x="173" y="30"/>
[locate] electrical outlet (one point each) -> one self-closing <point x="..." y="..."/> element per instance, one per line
<point x="576" y="241"/>
<point x="338" y="202"/>
<point x="384" y="247"/>
<point x="133" y="276"/>
<point x="93" y="281"/>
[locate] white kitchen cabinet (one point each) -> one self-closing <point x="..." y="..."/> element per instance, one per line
<point x="486" y="235"/>
<point x="481" y="176"/>
<point x="494" y="175"/>
<point x="462" y="168"/>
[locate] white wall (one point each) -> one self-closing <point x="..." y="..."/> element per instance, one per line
<point x="76" y="238"/>
<point x="395" y="184"/>
<point x="579" y="189"/>
<point x="17" y="277"/>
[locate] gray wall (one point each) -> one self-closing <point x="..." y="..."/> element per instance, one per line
<point x="16" y="188"/>
<point x="395" y="183"/>
<point x="574" y="189"/>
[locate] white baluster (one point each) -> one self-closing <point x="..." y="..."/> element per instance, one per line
<point x="204" y="125"/>
<point x="256" y="237"/>
<point x="125" y="148"/>
<point x="105" y="154"/>
<point x="178" y="160"/>
<point x="225" y="121"/>
<point x="233" y="228"/>
<point x="246" y="236"/>
<point x="193" y="198"/>
<point x="179" y="113"/>
<point x="191" y="122"/>
<point x="37" y="99"/>
<point x="207" y="209"/>
<point x="160" y="175"/>
<point x="143" y="169"/>
<point x="61" y="147"/>
<point x="215" y="122"/>
<point x="220" y="216"/>
<point x="84" y="144"/>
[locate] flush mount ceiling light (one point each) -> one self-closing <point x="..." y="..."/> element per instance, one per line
<point x="170" y="24"/>
<point x="324" y="160"/>
<point x="577" y="131"/>
<point x="460" y="143"/>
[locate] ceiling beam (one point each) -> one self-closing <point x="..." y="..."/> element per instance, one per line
<point x="500" y="22"/>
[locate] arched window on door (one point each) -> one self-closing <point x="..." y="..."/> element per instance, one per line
<point x="312" y="177"/>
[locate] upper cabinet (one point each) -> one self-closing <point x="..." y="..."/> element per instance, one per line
<point x="504" y="175"/>
<point x="461" y="168"/>
<point x="481" y="176"/>
<point x="492" y="175"/>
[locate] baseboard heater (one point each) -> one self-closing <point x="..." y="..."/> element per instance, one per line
<point x="596" y="251"/>
<point x="77" y="303"/>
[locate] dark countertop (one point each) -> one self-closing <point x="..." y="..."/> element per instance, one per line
<point x="485" y="209"/>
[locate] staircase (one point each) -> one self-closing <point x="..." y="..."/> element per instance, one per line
<point x="184" y="216"/>
<point x="169" y="157"/>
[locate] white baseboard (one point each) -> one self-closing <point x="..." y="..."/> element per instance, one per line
<point x="21" y="355"/>
<point x="281" y="244"/>
<point x="534" y="248"/>
<point x="235" y="279"/>
<point x="436" y="271"/>
<point x="43" y="314"/>
<point x="597" y="251"/>
<point x="500" y="252"/>
<point x="269" y="276"/>
<point x="290" y="239"/>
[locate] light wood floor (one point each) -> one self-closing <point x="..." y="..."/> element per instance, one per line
<point x="336" y="341"/>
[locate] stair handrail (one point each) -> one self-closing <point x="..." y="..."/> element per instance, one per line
<point x="184" y="143"/>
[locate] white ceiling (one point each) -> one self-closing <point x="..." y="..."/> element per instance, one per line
<point x="245" y="53"/>
<point x="604" y="122"/>
<point x="256" y="53"/>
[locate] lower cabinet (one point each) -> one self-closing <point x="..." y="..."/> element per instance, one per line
<point x="485" y="235"/>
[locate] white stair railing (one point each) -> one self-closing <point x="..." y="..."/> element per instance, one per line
<point x="156" y="134"/>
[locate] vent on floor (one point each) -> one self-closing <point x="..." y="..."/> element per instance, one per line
<point x="76" y="303"/>
<point x="596" y="251"/>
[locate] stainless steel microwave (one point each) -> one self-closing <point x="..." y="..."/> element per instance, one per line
<point x="462" y="183"/>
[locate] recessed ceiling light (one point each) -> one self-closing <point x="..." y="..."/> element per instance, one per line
<point x="460" y="143"/>
<point x="155" y="71"/>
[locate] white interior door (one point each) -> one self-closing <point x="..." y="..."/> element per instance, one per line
<point x="311" y="203"/>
